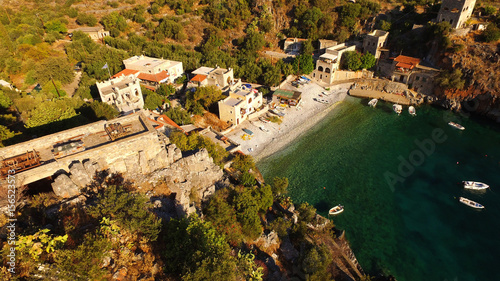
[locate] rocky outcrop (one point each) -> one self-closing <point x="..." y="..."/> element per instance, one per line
<point x="190" y="178"/>
<point x="64" y="187"/>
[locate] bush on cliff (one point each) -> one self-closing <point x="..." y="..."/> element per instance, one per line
<point x="128" y="209"/>
<point x="196" y="141"/>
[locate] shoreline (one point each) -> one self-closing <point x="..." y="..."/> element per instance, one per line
<point x="295" y="123"/>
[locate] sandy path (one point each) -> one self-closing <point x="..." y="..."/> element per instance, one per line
<point x="295" y="123"/>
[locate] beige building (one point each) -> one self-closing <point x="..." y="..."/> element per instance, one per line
<point x="456" y="12"/>
<point x="418" y="77"/>
<point x="329" y="62"/>
<point x="152" y="71"/>
<point x="208" y="76"/>
<point x="239" y="104"/>
<point x="375" y="41"/>
<point x="124" y="93"/>
<point x="95" y="33"/>
<point x="324" y="44"/>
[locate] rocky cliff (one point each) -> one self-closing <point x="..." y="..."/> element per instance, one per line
<point x="480" y="65"/>
<point x="190" y="178"/>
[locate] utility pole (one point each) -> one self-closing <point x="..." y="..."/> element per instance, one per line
<point x="55" y="86"/>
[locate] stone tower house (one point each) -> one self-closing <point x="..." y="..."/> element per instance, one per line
<point x="456" y="12"/>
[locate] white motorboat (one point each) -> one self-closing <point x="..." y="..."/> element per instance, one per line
<point x="321" y="100"/>
<point x="471" y="203"/>
<point x="412" y="111"/>
<point x="336" y="210"/>
<point x="264" y="120"/>
<point x="325" y="93"/>
<point x="456" y="125"/>
<point x="397" y="108"/>
<point x="475" y="185"/>
<point x="264" y="129"/>
<point x="373" y="102"/>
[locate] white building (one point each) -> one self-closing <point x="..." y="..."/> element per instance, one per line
<point x="239" y="104"/>
<point x="152" y="71"/>
<point x="330" y="62"/>
<point x="208" y="76"/>
<point x="124" y="93"/>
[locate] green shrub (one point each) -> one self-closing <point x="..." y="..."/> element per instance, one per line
<point x="129" y="210"/>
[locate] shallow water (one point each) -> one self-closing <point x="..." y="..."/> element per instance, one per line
<point x="413" y="229"/>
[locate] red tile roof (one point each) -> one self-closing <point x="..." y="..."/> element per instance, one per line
<point x="125" y="72"/>
<point x="154" y="77"/>
<point x="169" y="121"/>
<point x="149" y="87"/>
<point x="406" y="62"/>
<point x="198" y="78"/>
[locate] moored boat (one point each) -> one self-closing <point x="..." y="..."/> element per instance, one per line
<point x="264" y="129"/>
<point x="397" y="108"/>
<point x="336" y="210"/>
<point x="456" y="125"/>
<point x="264" y="120"/>
<point x="373" y="102"/>
<point x="471" y="203"/>
<point x="475" y="185"/>
<point x="412" y="111"/>
<point x="321" y="100"/>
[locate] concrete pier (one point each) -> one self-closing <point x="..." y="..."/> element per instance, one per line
<point x="372" y="94"/>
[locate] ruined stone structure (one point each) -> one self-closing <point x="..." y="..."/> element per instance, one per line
<point x="139" y="149"/>
<point x="139" y="153"/>
<point x="456" y="12"/>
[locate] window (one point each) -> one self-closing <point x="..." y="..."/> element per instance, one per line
<point x="418" y="78"/>
<point x="327" y="70"/>
<point x="424" y="79"/>
<point x="320" y="68"/>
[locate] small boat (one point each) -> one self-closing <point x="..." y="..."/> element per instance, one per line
<point x="264" y="120"/>
<point x="336" y="210"/>
<point x="397" y="108"/>
<point x="247" y="131"/>
<point x="325" y="93"/>
<point x="277" y="112"/>
<point x="412" y="111"/>
<point x="321" y="101"/>
<point x="373" y="102"/>
<point x="456" y="125"/>
<point x="471" y="203"/>
<point x="475" y="185"/>
<point x="264" y="129"/>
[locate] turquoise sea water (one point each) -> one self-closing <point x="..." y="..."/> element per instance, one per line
<point x="416" y="229"/>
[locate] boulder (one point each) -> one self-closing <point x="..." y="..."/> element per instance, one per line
<point x="64" y="187"/>
<point x="79" y="175"/>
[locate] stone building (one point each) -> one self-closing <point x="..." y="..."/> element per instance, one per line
<point x="456" y="12"/>
<point x="152" y="71"/>
<point x="329" y="62"/>
<point x="124" y="93"/>
<point x="411" y="72"/>
<point x="239" y="104"/>
<point x="324" y="44"/>
<point x="208" y="76"/>
<point x="95" y="33"/>
<point x="375" y="41"/>
<point x="293" y="45"/>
